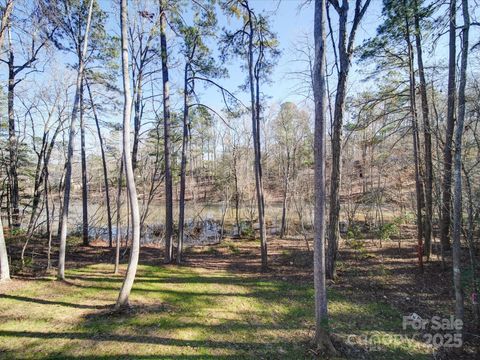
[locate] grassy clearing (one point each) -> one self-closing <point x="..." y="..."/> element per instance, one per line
<point x="181" y="313"/>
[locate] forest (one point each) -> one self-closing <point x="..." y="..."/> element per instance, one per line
<point x="239" y="179"/>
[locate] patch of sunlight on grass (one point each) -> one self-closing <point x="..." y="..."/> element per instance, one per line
<point x="179" y="313"/>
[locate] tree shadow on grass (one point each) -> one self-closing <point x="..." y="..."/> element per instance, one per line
<point x="131" y="311"/>
<point x="52" y="302"/>
<point x="139" y="339"/>
<point x="218" y="326"/>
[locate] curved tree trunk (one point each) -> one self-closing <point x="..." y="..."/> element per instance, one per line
<point x="124" y="294"/>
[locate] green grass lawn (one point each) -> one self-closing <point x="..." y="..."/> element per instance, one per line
<point x="181" y="313"/>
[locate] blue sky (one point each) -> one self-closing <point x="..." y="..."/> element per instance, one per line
<point x="292" y="23"/>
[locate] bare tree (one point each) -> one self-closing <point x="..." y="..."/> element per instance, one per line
<point x="104" y="164"/>
<point x="83" y="156"/>
<point x="345" y="52"/>
<point x="71" y="140"/>
<point x="427" y="131"/>
<point x="322" y="338"/>
<point x="166" y="135"/>
<point x="4" y="266"/>
<point x="416" y="138"/>
<point x="447" y="148"/>
<point x="143" y="54"/>
<point x="457" y="195"/>
<point x="257" y="44"/>
<point x="14" y="70"/>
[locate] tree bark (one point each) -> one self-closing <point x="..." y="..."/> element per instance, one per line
<point x="104" y="166"/>
<point x="5" y="19"/>
<point x="237" y="191"/>
<point x="416" y="145"/>
<point x="345" y="47"/>
<point x="457" y="195"/>
<point x="119" y="209"/>
<point x="254" y="82"/>
<point x="84" y="173"/>
<point x="259" y="180"/>
<point x="286" y="184"/>
<point x="4" y="266"/>
<point x="71" y="139"/>
<point x="124" y="294"/>
<point x="49" y="216"/>
<point x="137" y="119"/>
<point x="12" y="141"/>
<point x="183" y="169"/>
<point x="322" y="336"/>
<point x="427" y="133"/>
<point x="471" y="246"/>
<point x="166" y="136"/>
<point x="447" y="150"/>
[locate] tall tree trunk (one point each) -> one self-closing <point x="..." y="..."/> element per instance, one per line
<point x="49" y="217"/>
<point x="9" y="212"/>
<point x="104" y="166"/>
<point x="4" y="266"/>
<point x="447" y="150"/>
<point x="12" y="141"/>
<point x="259" y="181"/>
<point x="427" y="133"/>
<point x="457" y="195"/>
<point x="284" y="196"/>
<point x="166" y="137"/>
<point x="119" y="209"/>
<point x="124" y="294"/>
<point x="437" y="183"/>
<point x="335" y="179"/>
<point x="322" y="337"/>
<point x="416" y="145"/>
<point x="84" y="173"/>
<point x="254" y="83"/>
<point x="137" y="119"/>
<point x="183" y="169"/>
<point x="345" y="50"/>
<point x="237" y="191"/>
<point x="71" y="139"/>
<point x="471" y="247"/>
<point x="336" y="172"/>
